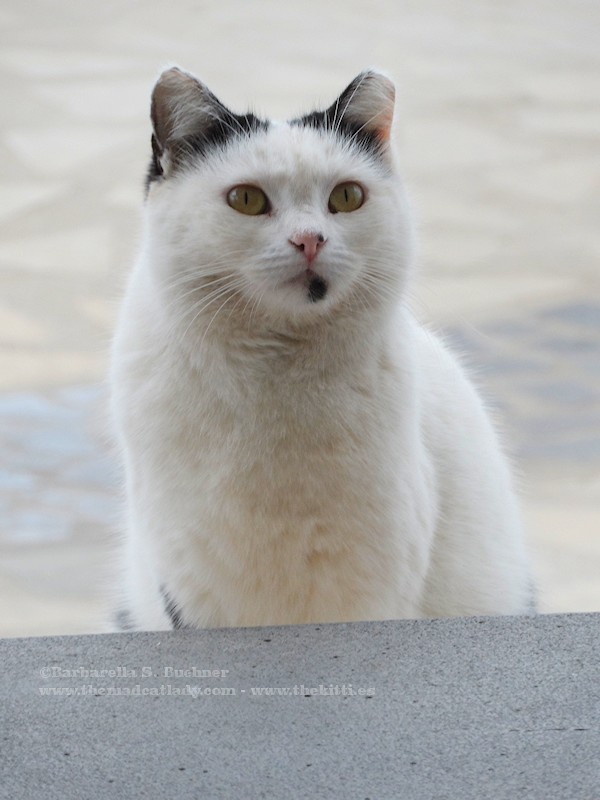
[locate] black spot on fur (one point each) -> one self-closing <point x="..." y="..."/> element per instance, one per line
<point x="221" y="131"/>
<point x="155" y="170"/>
<point x="339" y="120"/>
<point x="317" y="289"/>
<point x="172" y="609"/>
<point x="328" y="120"/>
<point x="123" y="620"/>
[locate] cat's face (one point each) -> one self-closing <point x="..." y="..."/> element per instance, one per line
<point x="288" y="220"/>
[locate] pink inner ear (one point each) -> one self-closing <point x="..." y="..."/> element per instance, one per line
<point x="384" y="127"/>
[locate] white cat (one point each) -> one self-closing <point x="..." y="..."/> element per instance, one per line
<point x="298" y="448"/>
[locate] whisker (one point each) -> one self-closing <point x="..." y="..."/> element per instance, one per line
<point x="206" y="302"/>
<point x="201" y="287"/>
<point x="349" y="101"/>
<point x="207" y="268"/>
<point x="364" y="125"/>
<point x="213" y="319"/>
<point x="254" y="308"/>
<point x="250" y="298"/>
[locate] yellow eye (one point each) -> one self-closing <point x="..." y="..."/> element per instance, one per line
<point x="248" y="200"/>
<point x="346" y="197"/>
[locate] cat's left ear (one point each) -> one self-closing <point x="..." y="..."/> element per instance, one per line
<point x="366" y="104"/>
<point x="182" y="106"/>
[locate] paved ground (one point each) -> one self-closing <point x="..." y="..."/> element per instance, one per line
<point x="418" y="709"/>
<point x="498" y="132"/>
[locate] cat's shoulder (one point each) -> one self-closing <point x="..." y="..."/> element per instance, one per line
<point x="448" y="381"/>
<point x="430" y="347"/>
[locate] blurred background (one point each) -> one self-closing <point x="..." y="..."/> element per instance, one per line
<point x="498" y="135"/>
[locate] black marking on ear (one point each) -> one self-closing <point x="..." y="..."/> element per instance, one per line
<point x="172" y="609"/>
<point x="356" y="118"/>
<point x="317" y="289"/>
<point x="328" y="120"/>
<point x="222" y="130"/>
<point x="155" y="170"/>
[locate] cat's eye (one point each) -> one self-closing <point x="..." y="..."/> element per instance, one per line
<point x="346" y="197"/>
<point x="248" y="200"/>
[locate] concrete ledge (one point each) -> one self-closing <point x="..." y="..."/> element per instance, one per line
<point x="464" y="708"/>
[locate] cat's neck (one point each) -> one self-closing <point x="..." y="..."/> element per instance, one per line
<point x="343" y="342"/>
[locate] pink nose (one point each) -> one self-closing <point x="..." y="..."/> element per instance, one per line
<point x="309" y="244"/>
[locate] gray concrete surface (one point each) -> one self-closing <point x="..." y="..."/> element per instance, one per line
<point x="445" y="709"/>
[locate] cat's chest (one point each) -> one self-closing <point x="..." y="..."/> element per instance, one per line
<point x="274" y="418"/>
<point x="294" y="445"/>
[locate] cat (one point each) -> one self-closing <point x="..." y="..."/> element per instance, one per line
<point x="297" y="447"/>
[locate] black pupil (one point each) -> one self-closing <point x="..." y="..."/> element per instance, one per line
<point x="346" y="194"/>
<point x="246" y="198"/>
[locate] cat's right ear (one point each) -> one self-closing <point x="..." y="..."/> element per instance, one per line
<point x="182" y="107"/>
<point x="367" y="104"/>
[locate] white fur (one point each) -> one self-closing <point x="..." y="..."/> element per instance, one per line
<point x="290" y="461"/>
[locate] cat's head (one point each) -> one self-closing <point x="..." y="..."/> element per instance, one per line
<point x="279" y="220"/>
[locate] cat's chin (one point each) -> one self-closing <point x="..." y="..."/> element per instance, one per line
<point x="303" y="296"/>
<point x="309" y="285"/>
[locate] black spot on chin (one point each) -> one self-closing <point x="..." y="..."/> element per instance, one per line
<point x="317" y="289"/>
